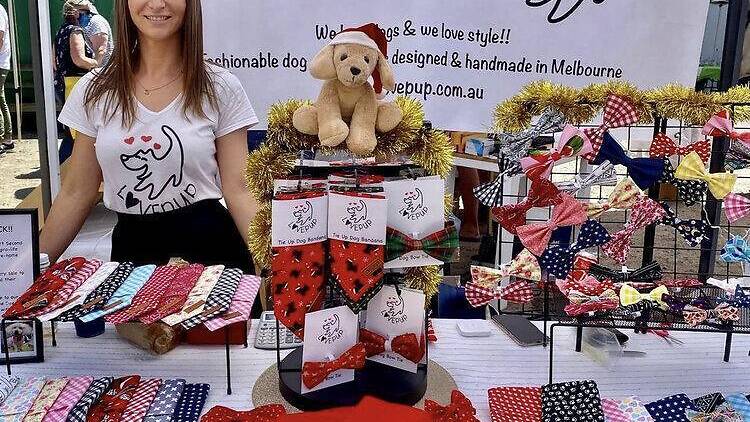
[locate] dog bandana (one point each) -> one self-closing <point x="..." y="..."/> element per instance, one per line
<point x="460" y="409"/>
<point x="123" y="297"/>
<point x="357" y="271"/>
<point x="709" y="402"/>
<point x="692" y="168"/>
<point x="98" y="298"/>
<point x="543" y="193"/>
<point x="196" y="300"/>
<point x="645" y="172"/>
<point x="142" y="398"/>
<point x="539" y="163"/>
<point x="670" y="409"/>
<point x="176" y="294"/>
<point x="7" y="385"/>
<point x="267" y="413"/>
<point x="572" y="401"/>
<point x="663" y="146"/>
<point x="558" y="260"/>
<point x="96" y="390"/>
<point x="724" y="414"/>
<point x="604" y="174"/>
<point x="241" y="305"/>
<point x="66" y="291"/>
<point x="612" y="412"/>
<point x="536" y="237"/>
<point x="740" y="404"/>
<point x="113" y="403"/>
<point x="79" y="295"/>
<point x="45" y="288"/>
<point x="646" y="211"/>
<point x="21" y="399"/>
<point x="147" y="299"/>
<point x="190" y="406"/>
<point x="618" y="112"/>
<point x="74" y="390"/>
<point x="693" y="231"/>
<point x="633" y="408"/>
<point x="219" y="299"/>
<point x="515" y="404"/>
<point x="46" y="398"/>
<point x="165" y="403"/>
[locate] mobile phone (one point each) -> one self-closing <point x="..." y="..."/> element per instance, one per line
<point x="520" y="329"/>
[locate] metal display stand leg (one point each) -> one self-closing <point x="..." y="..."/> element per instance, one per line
<point x="551" y="349"/>
<point x="727" y="347"/>
<point x="229" y="365"/>
<point x="5" y="346"/>
<point x="54" y="337"/>
<point x="579" y="337"/>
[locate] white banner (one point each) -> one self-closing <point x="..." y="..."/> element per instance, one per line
<point x="461" y="58"/>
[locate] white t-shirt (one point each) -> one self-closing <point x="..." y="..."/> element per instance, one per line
<point x="165" y="161"/>
<point x="5" y="50"/>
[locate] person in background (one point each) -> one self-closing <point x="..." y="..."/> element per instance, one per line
<point x="96" y="28"/>
<point x="73" y="57"/>
<point x="6" y="126"/>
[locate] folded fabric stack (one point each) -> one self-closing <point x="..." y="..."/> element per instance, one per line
<point x="79" y="289"/>
<point x="88" y="399"/>
<point x="579" y="401"/>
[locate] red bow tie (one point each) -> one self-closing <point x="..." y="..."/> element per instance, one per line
<point x="664" y="146"/>
<point x="543" y="193"/>
<point x="405" y="345"/>
<point x="313" y="373"/>
<point x="268" y="413"/>
<point x="460" y="409"/>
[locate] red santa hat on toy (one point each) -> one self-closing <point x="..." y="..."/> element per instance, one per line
<point x="369" y="35"/>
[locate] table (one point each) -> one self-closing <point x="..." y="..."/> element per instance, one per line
<point x="477" y="364"/>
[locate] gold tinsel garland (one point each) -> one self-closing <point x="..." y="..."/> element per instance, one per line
<point x="582" y="105"/>
<point x="275" y="159"/>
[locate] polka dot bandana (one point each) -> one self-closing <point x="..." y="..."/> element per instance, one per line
<point x="670" y="409"/>
<point x="572" y="401"/>
<point x="515" y="404"/>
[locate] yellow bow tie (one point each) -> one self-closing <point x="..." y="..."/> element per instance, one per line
<point x="524" y="265"/>
<point x="630" y="296"/>
<point x="692" y="168"/>
<point x="625" y="194"/>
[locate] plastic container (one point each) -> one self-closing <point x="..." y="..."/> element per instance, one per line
<point x="602" y="347"/>
<point x="43" y="262"/>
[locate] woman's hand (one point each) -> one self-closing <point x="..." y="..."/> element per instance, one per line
<point x="231" y="154"/>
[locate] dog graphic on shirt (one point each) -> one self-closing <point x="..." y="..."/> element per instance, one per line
<point x="169" y="158"/>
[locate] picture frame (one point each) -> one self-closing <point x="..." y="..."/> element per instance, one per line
<point x="22" y="341"/>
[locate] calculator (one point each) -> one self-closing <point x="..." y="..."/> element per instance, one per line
<point x="265" y="337"/>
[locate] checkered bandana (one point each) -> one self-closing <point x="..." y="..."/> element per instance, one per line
<point x="96" y="390"/>
<point x="219" y="299"/>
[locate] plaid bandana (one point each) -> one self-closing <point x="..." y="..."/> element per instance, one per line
<point x="96" y="390"/>
<point x="219" y="299"/>
<point x="440" y="245"/>
<point x="242" y="303"/>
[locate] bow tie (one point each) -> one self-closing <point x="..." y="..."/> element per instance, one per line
<point x="460" y="409"/>
<point x="543" y="193"/>
<point x="440" y="245"/>
<point x="724" y="312"/>
<point x="406" y="345"/>
<point x="735" y="250"/>
<point x="680" y="283"/>
<point x="524" y="265"/>
<point x="721" y="125"/>
<point x="581" y="303"/>
<point x="513" y="147"/>
<point x="478" y="294"/>
<point x="663" y="146"/>
<point x="645" y="172"/>
<point x="588" y="285"/>
<point x="729" y="285"/>
<point x="558" y="260"/>
<point x="693" y="231"/>
<point x="736" y="207"/>
<point x="691" y="191"/>
<point x="536" y="237"/>
<point x="647" y="274"/>
<point x="692" y="168"/>
<point x="603" y="174"/>
<point x="267" y="413"/>
<point x="624" y="196"/>
<point x="646" y="211"/>
<point x="740" y="299"/>
<point x="631" y="296"/>
<point x="539" y="163"/>
<point x="738" y="156"/>
<point x="618" y="112"/>
<point x="677" y="305"/>
<point x="313" y="373"/>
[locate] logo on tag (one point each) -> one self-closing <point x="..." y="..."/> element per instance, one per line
<point x="331" y="330"/>
<point x="414" y="207"/>
<point x="357" y="218"/>
<point x="394" y="311"/>
<point x="303" y="218"/>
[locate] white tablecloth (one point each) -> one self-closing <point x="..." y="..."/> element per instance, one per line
<point x="476" y="363"/>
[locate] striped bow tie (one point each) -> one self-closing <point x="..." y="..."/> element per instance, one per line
<point x="604" y="174"/>
<point x="558" y="260"/>
<point x="663" y="146"/>
<point x="440" y="245"/>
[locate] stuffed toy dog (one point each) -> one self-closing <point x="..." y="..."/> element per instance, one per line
<point x="347" y="108"/>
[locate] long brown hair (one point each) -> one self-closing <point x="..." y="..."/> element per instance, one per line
<point x="115" y="83"/>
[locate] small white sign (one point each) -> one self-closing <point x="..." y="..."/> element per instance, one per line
<point x="328" y="334"/>
<point x="416" y="208"/>
<point x="359" y="218"/>
<point x="16" y="257"/>
<point x="299" y="221"/>
<point x="391" y="315"/>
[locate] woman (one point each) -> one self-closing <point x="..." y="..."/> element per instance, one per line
<point x="167" y="134"/>
<point x="72" y="58"/>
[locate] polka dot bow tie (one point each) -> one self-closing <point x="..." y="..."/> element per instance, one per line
<point x="558" y="260"/>
<point x="663" y="146"/>
<point x="536" y="237"/>
<point x="513" y="147"/>
<point x="721" y="125"/>
<point x="618" y="112"/>
<point x="646" y="211"/>
<point x="603" y="174"/>
<point x="692" y="168"/>
<point x="406" y="345"/>
<point x="690" y="191"/>
<point x="581" y="303"/>
<point x="313" y="373"/>
<point x="645" y="172"/>
<point x="539" y="163"/>
<point x="739" y="299"/>
<point x="460" y="409"/>
<point x="693" y="231"/>
<point x="646" y="274"/>
<point x="724" y="312"/>
<point x="543" y="193"/>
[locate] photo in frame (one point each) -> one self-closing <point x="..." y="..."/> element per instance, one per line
<point x="24" y="341"/>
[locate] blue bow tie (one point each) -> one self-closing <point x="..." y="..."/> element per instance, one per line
<point x="735" y="250"/>
<point x="559" y="260"/>
<point x="645" y="172"/>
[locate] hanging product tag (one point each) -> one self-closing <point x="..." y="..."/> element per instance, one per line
<point x="299" y="221"/>
<point x="357" y="217"/>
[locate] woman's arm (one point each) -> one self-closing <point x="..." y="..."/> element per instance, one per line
<point x="72" y="205"/>
<point x="231" y="154"/>
<point x="78" y="52"/>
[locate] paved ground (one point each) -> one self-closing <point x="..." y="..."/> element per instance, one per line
<point x="19" y="173"/>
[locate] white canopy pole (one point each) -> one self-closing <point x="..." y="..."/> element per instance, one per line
<point x="48" y="79"/>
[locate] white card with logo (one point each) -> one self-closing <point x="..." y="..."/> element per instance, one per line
<point x="416" y="208"/>
<point x="359" y="218"/>
<point x="390" y="315"/>
<point x="328" y="335"/>
<point x="299" y="221"/>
